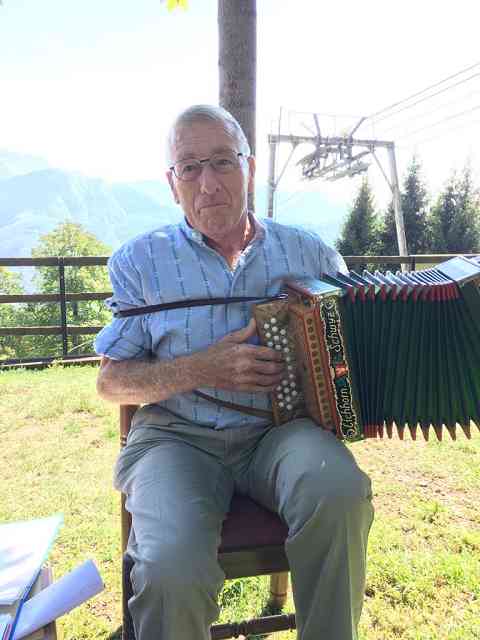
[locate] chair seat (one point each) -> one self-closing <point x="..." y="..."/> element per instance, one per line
<point x="249" y="525"/>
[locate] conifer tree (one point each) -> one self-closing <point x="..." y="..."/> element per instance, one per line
<point x="454" y="219"/>
<point x="359" y="232"/>
<point x="414" y="201"/>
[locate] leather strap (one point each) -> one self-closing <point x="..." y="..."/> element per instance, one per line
<point x="259" y="413"/>
<point x="194" y="302"/>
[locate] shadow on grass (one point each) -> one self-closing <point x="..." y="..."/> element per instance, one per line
<point x="116" y="635"/>
<point x="267" y="610"/>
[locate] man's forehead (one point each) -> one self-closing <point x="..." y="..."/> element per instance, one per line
<point x="200" y="138"/>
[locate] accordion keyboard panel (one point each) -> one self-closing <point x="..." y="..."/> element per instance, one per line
<point x="275" y="331"/>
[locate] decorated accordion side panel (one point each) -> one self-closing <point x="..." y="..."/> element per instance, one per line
<point x="313" y="367"/>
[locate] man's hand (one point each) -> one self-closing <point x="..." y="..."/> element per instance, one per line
<point x="229" y="364"/>
<point x="233" y="365"/>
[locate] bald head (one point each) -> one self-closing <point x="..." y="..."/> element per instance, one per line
<point x="209" y="114"/>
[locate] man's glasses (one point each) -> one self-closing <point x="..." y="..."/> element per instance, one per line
<point x="223" y="162"/>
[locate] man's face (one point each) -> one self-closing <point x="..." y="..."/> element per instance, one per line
<point x="215" y="204"/>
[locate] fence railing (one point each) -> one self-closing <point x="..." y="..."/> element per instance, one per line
<point x="63" y="297"/>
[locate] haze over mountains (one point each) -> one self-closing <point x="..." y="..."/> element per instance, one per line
<point x="35" y="198"/>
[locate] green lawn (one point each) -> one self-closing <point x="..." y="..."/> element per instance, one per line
<point x="59" y="445"/>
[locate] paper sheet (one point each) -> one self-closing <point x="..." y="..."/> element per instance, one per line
<point x="60" y="597"/>
<point x="23" y="549"/>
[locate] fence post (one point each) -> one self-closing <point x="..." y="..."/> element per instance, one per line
<point x="63" y="305"/>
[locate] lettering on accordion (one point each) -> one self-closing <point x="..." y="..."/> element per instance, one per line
<point x="330" y="318"/>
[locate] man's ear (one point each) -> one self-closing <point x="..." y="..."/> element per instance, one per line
<point x="171" y="182"/>
<point x="251" y="174"/>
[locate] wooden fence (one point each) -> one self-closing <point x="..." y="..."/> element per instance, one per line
<point x="63" y="297"/>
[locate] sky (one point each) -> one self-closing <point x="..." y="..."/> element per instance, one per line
<point x="93" y="85"/>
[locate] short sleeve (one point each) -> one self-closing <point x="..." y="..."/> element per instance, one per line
<point x="124" y="338"/>
<point x="331" y="262"/>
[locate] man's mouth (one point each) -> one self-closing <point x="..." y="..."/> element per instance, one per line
<point x="212" y="205"/>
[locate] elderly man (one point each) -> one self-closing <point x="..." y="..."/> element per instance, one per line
<point x="185" y="455"/>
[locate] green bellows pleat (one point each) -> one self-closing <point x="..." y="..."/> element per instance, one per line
<point x="413" y="346"/>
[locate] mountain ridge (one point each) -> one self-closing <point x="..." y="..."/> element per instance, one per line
<point x="34" y="202"/>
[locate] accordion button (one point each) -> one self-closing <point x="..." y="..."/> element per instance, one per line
<point x="290" y="367"/>
<point x="281" y="405"/>
<point x="276" y="338"/>
<point x="291" y="376"/>
<point x="283" y="332"/>
<point x="286" y="349"/>
<point x="278" y="347"/>
<point x="289" y="407"/>
<point x="284" y="383"/>
<point x="268" y="335"/>
<point x="273" y="320"/>
<point x="266" y="325"/>
<point x="280" y="396"/>
<point x="294" y="393"/>
<point x="284" y="341"/>
<point x="270" y="344"/>
<point x="274" y="329"/>
<point x="287" y="358"/>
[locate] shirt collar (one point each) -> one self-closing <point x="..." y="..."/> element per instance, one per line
<point x="197" y="237"/>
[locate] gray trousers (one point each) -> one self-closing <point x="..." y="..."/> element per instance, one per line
<point x="179" y="479"/>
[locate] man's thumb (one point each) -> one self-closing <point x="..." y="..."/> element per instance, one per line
<point x="242" y="335"/>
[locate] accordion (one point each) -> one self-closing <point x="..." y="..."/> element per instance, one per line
<point x="369" y="353"/>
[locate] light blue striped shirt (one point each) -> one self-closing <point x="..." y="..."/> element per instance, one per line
<point x="174" y="263"/>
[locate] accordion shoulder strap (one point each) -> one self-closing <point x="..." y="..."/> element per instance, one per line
<point x="260" y="413"/>
<point x="194" y="302"/>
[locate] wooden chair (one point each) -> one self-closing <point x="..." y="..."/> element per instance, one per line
<point x="252" y="544"/>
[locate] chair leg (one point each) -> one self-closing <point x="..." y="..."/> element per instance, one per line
<point x="128" y="632"/>
<point x="278" y="590"/>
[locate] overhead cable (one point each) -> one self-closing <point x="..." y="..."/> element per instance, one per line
<point x="428" y="126"/>
<point x="432" y="95"/>
<point x="418" y="93"/>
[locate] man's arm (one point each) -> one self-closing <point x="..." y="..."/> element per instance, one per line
<point x="229" y="364"/>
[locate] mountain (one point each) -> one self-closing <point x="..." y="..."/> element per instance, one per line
<point x="33" y="204"/>
<point x="15" y="164"/>
<point x="33" y="201"/>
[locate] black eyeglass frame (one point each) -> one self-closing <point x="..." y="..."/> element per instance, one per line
<point x="202" y="162"/>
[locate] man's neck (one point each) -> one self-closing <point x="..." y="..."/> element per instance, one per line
<point x="232" y="249"/>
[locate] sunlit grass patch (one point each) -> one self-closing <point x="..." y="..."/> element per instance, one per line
<point x="60" y="442"/>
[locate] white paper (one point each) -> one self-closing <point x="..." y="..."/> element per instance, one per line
<point x="5" y="622"/>
<point x="23" y="549"/>
<point x="62" y="596"/>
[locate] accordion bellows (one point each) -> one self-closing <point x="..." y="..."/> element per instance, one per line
<point x="367" y="353"/>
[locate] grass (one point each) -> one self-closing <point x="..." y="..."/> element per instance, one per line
<point x="59" y="446"/>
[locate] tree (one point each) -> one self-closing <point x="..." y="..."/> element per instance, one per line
<point x="237" y="62"/>
<point x="454" y="219"/>
<point x="10" y="284"/>
<point x="237" y="59"/>
<point x="414" y="200"/>
<point x="359" y="232"/>
<point x="69" y="239"/>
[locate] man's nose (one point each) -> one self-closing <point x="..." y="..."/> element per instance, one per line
<point x="209" y="182"/>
